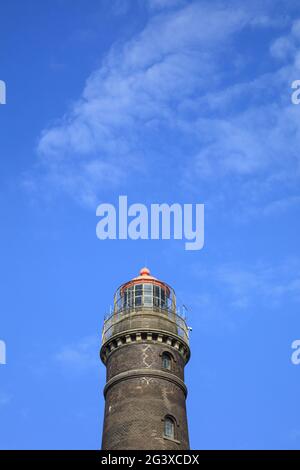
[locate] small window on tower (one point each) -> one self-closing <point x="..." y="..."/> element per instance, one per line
<point x="166" y="361"/>
<point x="169" y="427"/>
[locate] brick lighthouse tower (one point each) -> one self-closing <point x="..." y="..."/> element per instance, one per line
<point x="145" y="348"/>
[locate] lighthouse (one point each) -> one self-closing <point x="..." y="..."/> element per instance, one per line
<point x="145" y="347"/>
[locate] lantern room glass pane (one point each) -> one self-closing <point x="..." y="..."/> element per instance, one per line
<point x="163" y="298"/>
<point x="146" y="294"/>
<point x="148" y="301"/>
<point x="128" y="297"/>
<point x="139" y="289"/>
<point x="148" y="289"/>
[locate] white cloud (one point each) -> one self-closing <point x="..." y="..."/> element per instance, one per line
<point x="282" y="48"/>
<point x="5" y="399"/>
<point x="229" y="294"/>
<point x="280" y="205"/>
<point x="285" y="47"/>
<point x="248" y="136"/>
<point x="160" y="4"/>
<point x="81" y="356"/>
<point x="139" y="88"/>
<point x="236" y="284"/>
<point x="172" y="78"/>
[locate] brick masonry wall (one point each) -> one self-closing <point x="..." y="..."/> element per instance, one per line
<point x="134" y="413"/>
<point x="142" y="355"/>
<point x="135" y="408"/>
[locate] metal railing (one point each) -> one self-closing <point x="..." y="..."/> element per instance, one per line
<point x="112" y="323"/>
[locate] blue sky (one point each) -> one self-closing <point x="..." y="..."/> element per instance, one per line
<point x="163" y="101"/>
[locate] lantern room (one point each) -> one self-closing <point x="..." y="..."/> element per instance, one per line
<point x="144" y="291"/>
<point x="145" y="301"/>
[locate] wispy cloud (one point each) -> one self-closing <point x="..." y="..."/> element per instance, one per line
<point x="285" y="47"/>
<point x="163" y="4"/>
<point x="79" y="357"/>
<point x="249" y="135"/>
<point x="270" y="283"/>
<point x="5" y="399"/>
<point x="229" y="289"/>
<point x="163" y="84"/>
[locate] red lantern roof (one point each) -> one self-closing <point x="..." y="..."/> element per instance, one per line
<point x="145" y="277"/>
